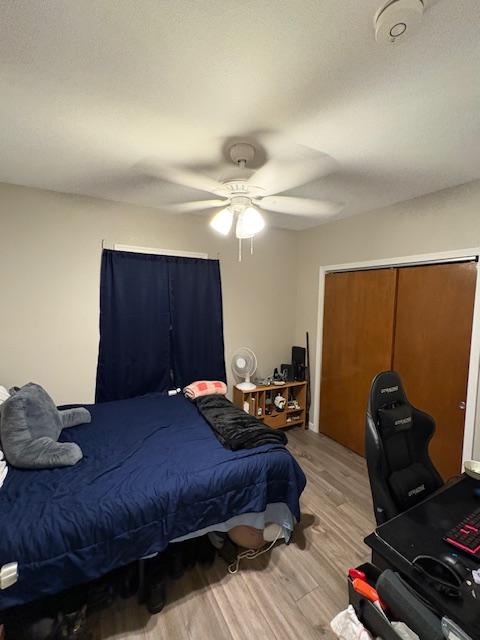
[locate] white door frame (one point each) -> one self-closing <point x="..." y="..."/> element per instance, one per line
<point x="474" y="363"/>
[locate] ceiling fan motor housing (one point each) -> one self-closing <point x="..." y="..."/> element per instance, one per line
<point x="242" y="153"/>
<point x="398" y="20"/>
<point x="239" y="203"/>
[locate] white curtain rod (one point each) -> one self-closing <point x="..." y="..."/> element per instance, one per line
<point x="153" y="250"/>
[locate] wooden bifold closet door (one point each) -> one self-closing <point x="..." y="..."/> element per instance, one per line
<point x="358" y="322"/>
<point x="416" y="320"/>
<point x="433" y="333"/>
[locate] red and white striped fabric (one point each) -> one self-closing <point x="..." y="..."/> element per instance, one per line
<point x="204" y="388"/>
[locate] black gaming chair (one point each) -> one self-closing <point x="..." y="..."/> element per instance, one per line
<point x="397" y="436"/>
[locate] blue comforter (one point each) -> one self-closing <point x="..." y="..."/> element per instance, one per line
<point x="152" y="471"/>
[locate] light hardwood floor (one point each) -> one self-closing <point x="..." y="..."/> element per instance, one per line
<point x="292" y="592"/>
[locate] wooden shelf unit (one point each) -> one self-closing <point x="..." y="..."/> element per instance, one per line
<point x="258" y="404"/>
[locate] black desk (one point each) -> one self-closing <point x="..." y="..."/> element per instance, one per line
<point x="420" y="531"/>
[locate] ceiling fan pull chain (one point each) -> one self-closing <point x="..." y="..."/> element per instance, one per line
<point x="251" y="246"/>
<point x="239" y="249"/>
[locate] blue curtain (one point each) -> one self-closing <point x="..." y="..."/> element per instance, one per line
<point x="161" y="324"/>
<point x="197" y="321"/>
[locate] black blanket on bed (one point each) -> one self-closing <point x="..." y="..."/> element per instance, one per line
<point x="234" y="428"/>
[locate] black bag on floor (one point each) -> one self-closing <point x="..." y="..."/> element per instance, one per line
<point x="64" y="626"/>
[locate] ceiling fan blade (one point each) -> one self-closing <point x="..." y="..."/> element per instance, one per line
<point x="291" y="170"/>
<point x="299" y="206"/>
<point x="184" y="177"/>
<point x="197" y="205"/>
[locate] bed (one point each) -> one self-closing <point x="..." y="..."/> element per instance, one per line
<point x="153" y="472"/>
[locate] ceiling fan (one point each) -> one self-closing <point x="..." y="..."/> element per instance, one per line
<point x="248" y="190"/>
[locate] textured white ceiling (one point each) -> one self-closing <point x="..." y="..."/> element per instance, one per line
<point x="89" y="90"/>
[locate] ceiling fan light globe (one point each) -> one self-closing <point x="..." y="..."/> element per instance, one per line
<point x="249" y="223"/>
<point x="222" y="221"/>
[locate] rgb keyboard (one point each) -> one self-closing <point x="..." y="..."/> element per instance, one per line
<point x="466" y="535"/>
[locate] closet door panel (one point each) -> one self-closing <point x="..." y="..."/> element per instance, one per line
<point x="357" y="344"/>
<point x="432" y="349"/>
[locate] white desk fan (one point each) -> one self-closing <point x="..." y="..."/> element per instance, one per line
<point x="244" y="365"/>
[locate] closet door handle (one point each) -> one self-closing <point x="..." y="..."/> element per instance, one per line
<point x="462" y="406"/>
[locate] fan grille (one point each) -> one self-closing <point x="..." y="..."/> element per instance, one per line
<point x="244" y="362"/>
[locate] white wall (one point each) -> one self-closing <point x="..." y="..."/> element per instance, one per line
<point x="50" y="248"/>
<point x="445" y="220"/>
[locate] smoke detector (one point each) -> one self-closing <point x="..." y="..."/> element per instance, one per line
<point x="398" y="20"/>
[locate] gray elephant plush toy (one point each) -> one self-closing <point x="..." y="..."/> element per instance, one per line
<point x="30" y="425"/>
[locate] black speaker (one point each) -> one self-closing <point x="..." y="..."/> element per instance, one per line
<point x="298" y="361"/>
<point x="299" y="371"/>
<point x="298" y="355"/>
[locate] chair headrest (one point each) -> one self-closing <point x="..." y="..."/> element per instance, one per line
<point x="388" y="404"/>
<point x="387" y="389"/>
<point x="395" y="419"/>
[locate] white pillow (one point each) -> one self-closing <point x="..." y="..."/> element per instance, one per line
<point x="4" y="395"/>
